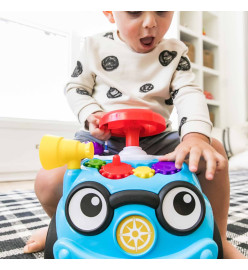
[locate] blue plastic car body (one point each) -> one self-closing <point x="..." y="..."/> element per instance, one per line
<point x="149" y="200"/>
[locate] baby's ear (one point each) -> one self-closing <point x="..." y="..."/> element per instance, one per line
<point x="109" y="15"/>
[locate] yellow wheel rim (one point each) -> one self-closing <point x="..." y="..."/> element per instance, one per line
<point x="135" y="234"/>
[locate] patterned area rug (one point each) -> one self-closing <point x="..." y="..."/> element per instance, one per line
<point x="21" y="214"/>
<point x="237" y="228"/>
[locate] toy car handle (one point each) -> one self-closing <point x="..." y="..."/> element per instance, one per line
<point x="132" y="124"/>
<point x="56" y="152"/>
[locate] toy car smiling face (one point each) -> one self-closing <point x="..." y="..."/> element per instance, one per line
<point x="161" y="216"/>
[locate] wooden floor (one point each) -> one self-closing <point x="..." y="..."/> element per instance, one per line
<point x="20" y="185"/>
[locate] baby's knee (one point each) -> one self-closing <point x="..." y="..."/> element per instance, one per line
<point x="218" y="146"/>
<point x="48" y="185"/>
<point x="222" y="160"/>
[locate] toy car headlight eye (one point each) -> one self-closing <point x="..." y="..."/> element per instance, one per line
<point x="88" y="210"/>
<point x="182" y="209"/>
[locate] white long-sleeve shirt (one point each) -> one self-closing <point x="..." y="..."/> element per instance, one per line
<point x="109" y="75"/>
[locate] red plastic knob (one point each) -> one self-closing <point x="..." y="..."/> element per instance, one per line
<point x="116" y="169"/>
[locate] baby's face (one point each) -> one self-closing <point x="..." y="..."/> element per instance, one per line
<point x="142" y="30"/>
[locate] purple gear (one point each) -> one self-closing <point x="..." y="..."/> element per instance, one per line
<point x="98" y="148"/>
<point x="165" y="167"/>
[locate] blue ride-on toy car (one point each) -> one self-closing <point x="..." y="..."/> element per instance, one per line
<point x="130" y="205"/>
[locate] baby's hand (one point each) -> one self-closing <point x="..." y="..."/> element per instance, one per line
<point x="196" y="145"/>
<point x="95" y="131"/>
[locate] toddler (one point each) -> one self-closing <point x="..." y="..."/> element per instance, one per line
<point x="134" y="67"/>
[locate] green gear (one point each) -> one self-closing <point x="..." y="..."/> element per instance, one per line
<point x="95" y="163"/>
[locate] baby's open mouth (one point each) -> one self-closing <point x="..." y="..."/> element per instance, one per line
<point x="147" y="41"/>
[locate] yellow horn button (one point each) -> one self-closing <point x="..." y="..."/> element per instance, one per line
<point x="135" y="234"/>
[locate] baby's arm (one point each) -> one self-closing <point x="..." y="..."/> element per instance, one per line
<point x="79" y="91"/>
<point x="197" y="145"/>
<point x="195" y="126"/>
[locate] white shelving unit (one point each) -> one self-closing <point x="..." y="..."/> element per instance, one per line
<point x="191" y="25"/>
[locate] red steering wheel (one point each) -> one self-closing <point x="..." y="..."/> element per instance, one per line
<point x="132" y="124"/>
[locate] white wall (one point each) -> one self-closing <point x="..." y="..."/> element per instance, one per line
<point x="234" y="68"/>
<point x="19" y="140"/>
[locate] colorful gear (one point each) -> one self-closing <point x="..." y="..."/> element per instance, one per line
<point x="95" y="163"/>
<point x="165" y="167"/>
<point x="116" y="169"/>
<point x="143" y="172"/>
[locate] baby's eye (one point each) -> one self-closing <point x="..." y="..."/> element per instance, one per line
<point x="134" y="13"/>
<point x="161" y="13"/>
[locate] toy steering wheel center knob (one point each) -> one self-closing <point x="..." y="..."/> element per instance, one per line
<point x="132" y="124"/>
